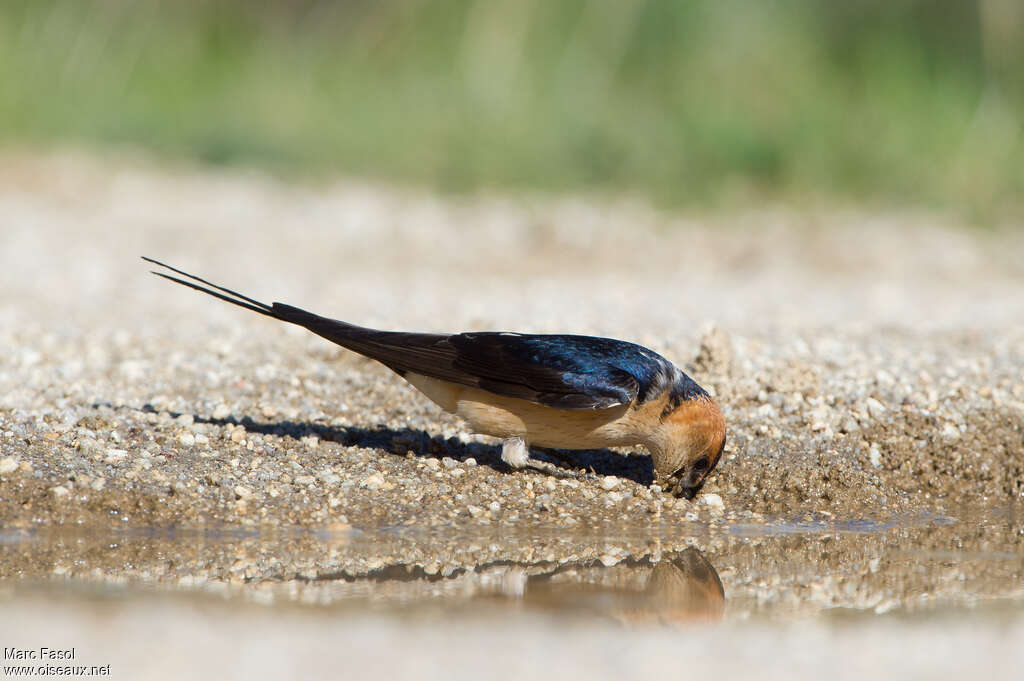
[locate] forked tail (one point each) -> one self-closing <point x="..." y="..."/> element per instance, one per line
<point x="285" y="313"/>
<point x="422" y="352"/>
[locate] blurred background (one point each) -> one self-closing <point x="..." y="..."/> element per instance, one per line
<point x="703" y="103"/>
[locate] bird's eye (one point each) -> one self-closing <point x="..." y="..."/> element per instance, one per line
<point x="701" y="464"/>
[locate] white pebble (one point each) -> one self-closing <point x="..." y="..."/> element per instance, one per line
<point x="373" y="482"/>
<point x="821" y="415"/>
<point x="494" y="506"/>
<point x="875" y="408"/>
<point x="8" y="465"/>
<point x="90" y="445"/>
<point x="875" y="456"/>
<point x="187" y="439"/>
<point x="609" y="482"/>
<point x="115" y="455"/>
<point x="329" y="478"/>
<point x="242" y="491"/>
<point x="60" y="492"/>
<point x="712" y="501"/>
<point x="950" y="432"/>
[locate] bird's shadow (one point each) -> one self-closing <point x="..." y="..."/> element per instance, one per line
<point x="421" y="444"/>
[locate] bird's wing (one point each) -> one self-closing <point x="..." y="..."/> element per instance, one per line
<point x="563" y="372"/>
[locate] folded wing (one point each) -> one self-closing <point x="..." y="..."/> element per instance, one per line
<point x="564" y="372"/>
<point x="560" y="371"/>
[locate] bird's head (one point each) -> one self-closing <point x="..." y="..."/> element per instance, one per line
<point x="687" y="445"/>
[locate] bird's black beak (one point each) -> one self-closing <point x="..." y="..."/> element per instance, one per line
<point x="684" y="483"/>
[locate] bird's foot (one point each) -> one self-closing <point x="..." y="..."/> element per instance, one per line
<point x="516" y="454"/>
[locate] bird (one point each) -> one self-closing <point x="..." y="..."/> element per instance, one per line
<point x="552" y="391"/>
<point x="677" y="591"/>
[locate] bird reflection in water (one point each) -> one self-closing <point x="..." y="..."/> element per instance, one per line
<point x="677" y="591"/>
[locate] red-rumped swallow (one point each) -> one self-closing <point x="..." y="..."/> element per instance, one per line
<point x="677" y="592"/>
<point x="557" y="391"/>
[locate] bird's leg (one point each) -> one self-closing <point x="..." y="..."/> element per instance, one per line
<point x="516" y="454"/>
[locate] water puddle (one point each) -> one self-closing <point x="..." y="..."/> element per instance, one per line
<point x="628" y="576"/>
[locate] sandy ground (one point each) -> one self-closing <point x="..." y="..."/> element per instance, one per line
<point x="868" y="365"/>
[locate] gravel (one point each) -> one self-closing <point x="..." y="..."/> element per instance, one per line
<point x="868" y="366"/>
<point x="848" y="387"/>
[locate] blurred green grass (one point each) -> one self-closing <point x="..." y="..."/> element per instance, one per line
<point x="711" y="101"/>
